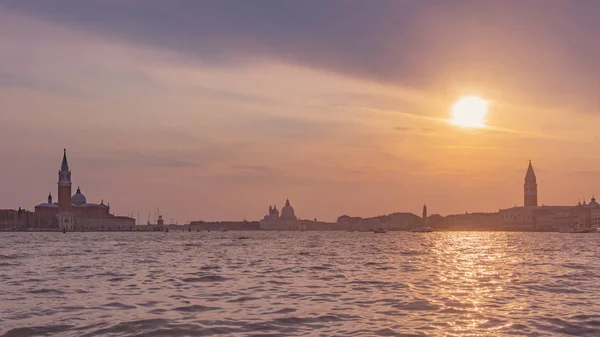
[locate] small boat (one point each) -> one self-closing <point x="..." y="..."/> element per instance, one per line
<point x="379" y="230"/>
<point x="223" y="229"/>
<point x="423" y="229"/>
<point x="578" y="228"/>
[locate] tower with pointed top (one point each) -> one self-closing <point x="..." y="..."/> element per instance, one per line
<point x="530" y="187"/>
<point x="64" y="185"/>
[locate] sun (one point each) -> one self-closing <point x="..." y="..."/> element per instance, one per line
<point x="469" y="112"/>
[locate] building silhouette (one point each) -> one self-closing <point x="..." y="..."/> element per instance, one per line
<point x="531" y="216"/>
<point x="530" y="187"/>
<point x="74" y="212"/>
<point x="287" y="220"/>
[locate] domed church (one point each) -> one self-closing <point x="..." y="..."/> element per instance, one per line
<point x="74" y="212"/>
<point x="287" y="212"/>
<point x="286" y="221"/>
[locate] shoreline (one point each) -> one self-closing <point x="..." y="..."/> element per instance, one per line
<point x="267" y="230"/>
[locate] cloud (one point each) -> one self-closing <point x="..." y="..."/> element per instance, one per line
<point x="254" y="168"/>
<point x="340" y="100"/>
<point x="138" y="159"/>
<point x="32" y="82"/>
<point x="541" y="49"/>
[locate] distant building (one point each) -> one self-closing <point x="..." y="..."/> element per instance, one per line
<point x="230" y="225"/>
<point x="588" y="214"/>
<point x="526" y="217"/>
<point x="394" y="221"/>
<point x="350" y="222"/>
<point x="74" y="212"/>
<point x="471" y="222"/>
<point x="530" y="188"/>
<point x="12" y="219"/>
<point x="594" y="208"/>
<point x="530" y="216"/>
<point x="286" y="221"/>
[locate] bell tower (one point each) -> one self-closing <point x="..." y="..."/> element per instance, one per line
<point x="64" y="185"/>
<point x="530" y="187"/>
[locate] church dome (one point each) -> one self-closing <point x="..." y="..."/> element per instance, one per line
<point x="78" y="198"/>
<point x="287" y="212"/>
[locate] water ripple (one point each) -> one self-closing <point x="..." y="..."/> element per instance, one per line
<point x="297" y="284"/>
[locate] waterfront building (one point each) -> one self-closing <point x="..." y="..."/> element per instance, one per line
<point x="230" y="225"/>
<point x="286" y="221"/>
<point x="554" y="221"/>
<point x="12" y="219"/>
<point x="594" y="208"/>
<point x="472" y="221"/>
<point x="394" y="221"/>
<point x="587" y="214"/>
<point x="351" y="223"/>
<point x="530" y="216"/>
<point x="526" y="217"/>
<point x="74" y="212"/>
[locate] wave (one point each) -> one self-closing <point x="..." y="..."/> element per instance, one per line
<point x="43" y="330"/>
<point x="46" y="291"/>
<point x="208" y="278"/>
<point x="195" y="308"/>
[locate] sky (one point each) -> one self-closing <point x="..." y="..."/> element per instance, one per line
<point x="214" y="110"/>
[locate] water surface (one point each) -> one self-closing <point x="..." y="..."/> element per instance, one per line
<point x="299" y="283"/>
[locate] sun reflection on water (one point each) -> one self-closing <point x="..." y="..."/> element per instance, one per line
<point x="473" y="271"/>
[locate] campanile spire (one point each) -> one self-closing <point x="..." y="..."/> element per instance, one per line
<point x="65" y="163"/>
<point x="530" y="187"/>
<point x="64" y="185"/>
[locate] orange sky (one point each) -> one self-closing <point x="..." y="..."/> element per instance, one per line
<point x="148" y="127"/>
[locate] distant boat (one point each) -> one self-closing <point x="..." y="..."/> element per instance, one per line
<point x="578" y="228"/>
<point x="423" y="229"/>
<point x="379" y="230"/>
<point x="223" y="229"/>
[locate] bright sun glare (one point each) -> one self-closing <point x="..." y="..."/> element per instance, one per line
<point x="469" y="112"/>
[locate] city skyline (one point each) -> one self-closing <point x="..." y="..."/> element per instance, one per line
<point x="97" y="216"/>
<point x="219" y="119"/>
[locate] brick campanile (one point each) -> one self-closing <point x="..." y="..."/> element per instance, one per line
<point x="64" y="186"/>
<point x="530" y="187"/>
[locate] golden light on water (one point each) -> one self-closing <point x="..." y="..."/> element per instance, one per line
<point x="469" y="112"/>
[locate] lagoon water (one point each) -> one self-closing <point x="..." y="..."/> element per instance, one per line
<point x="299" y="284"/>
